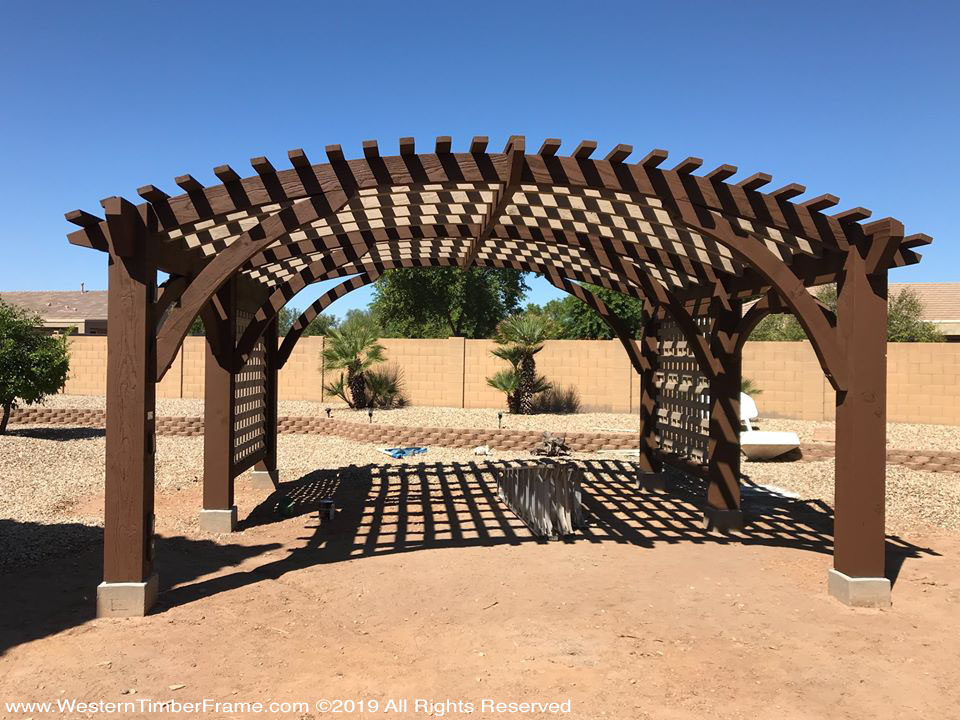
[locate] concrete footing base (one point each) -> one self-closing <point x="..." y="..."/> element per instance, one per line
<point x="264" y="479"/>
<point x="219" y="521"/>
<point x="722" y="520"/>
<point x="652" y="481"/>
<point x="131" y="599"/>
<point x="859" y="591"/>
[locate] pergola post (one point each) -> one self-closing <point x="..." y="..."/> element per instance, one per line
<point x="723" y="511"/>
<point x="129" y="586"/>
<point x="857" y="576"/>
<point x="219" y="514"/>
<point x="264" y="474"/>
<point x="650" y="471"/>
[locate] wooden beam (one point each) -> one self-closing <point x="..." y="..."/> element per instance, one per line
<point x="654" y="159"/>
<point x="585" y="149"/>
<point x="688" y="166"/>
<point x="788" y="192"/>
<point x="189" y="183"/>
<point x="755" y="181"/>
<point x="721" y="173"/>
<point x="619" y="153"/>
<point x="550" y="147"/>
<point x="131" y="398"/>
<point x="298" y="158"/>
<point x="478" y="146"/>
<point x="859" y="512"/>
<point x="83" y="218"/>
<point x="152" y="194"/>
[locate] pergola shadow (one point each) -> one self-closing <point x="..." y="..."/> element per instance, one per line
<point x="399" y="508"/>
<point x="53" y="596"/>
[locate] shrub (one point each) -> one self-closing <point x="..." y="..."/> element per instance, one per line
<point x="556" y="400"/>
<point x="748" y="388"/>
<point x="32" y="364"/>
<point x="385" y="388"/>
<point x="354" y="348"/>
<point x="518" y="339"/>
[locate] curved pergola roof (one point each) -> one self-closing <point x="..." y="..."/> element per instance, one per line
<point x="671" y="236"/>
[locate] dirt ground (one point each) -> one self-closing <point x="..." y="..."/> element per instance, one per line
<point x="424" y="587"/>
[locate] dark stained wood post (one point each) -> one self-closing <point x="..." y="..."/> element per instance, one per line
<point x="264" y="474"/>
<point x="723" y="450"/>
<point x="219" y="513"/>
<point x="857" y="577"/>
<point x="129" y="585"/>
<point x="649" y="467"/>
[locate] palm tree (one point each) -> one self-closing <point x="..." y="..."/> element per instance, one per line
<point x="519" y="338"/>
<point x="353" y="348"/>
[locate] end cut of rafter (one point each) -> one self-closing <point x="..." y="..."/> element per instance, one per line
<point x="788" y="192"/>
<point x="189" y="183"/>
<point x="478" y="146"/>
<point x="619" y="153"/>
<point x="262" y="166"/>
<point x="443" y="144"/>
<point x="371" y="151"/>
<point x="585" y="149"/>
<point x="82" y="218"/>
<point x="852" y="215"/>
<point x="226" y="174"/>
<point x="298" y="158"/>
<point x="721" y="173"/>
<point x="152" y="194"/>
<point x="408" y="146"/>
<point x="757" y="180"/>
<point x="821" y="202"/>
<point x="550" y="147"/>
<point x="688" y="166"/>
<point x="654" y="158"/>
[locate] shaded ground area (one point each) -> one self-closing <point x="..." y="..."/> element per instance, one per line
<point x="424" y="586"/>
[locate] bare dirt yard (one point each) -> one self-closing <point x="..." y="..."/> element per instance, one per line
<point x="425" y="587"/>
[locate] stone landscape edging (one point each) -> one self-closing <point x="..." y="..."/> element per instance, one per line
<point x="499" y="439"/>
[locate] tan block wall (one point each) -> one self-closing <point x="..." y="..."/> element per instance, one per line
<point x="923" y="379"/>
<point x="789" y="377"/>
<point x="88" y="366"/>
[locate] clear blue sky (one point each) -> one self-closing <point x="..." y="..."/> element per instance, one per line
<point x="853" y="98"/>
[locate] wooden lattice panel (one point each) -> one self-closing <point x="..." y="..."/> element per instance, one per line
<point x="683" y="403"/>
<point x="249" y="403"/>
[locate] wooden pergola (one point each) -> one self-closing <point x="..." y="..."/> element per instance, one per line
<point x="692" y="246"/>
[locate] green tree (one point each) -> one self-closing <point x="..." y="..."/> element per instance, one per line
<point x="578" y="321"/>
<point x="322" y="324"/>
<point x="353" y="348"/>
<point x="905" y="321"/>
<point x="518" y="339"/>
<point x="442" y="302"/>
<point x="32" y="364"/>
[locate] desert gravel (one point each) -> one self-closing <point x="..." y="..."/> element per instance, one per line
<point x="901" y="436"/>
<point x="51" y="478"/>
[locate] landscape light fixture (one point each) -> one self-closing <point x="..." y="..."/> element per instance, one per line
<point x="370" y="414"/>
<point x="328" y="411"/>
<point x="500" y="419"/>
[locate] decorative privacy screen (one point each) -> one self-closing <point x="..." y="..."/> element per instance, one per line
<point x="683" y="405"/>
<point x="249" y="404"/>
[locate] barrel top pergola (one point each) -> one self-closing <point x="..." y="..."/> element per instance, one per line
<point x="691" y="245"/>
<point x="635" y="227"/>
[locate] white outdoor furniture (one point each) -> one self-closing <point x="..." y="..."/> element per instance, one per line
<point x="762" y="444"/>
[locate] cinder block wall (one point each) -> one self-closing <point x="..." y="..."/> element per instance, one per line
<point x="923" y="380"/>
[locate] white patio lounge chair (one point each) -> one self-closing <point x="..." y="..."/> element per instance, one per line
<point x="762" y="444"/>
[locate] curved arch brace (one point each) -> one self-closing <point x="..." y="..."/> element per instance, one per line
<point x="318" y="306"/>
<point x="639" y="362"/>
<point x="788" y="286"/>
<point x="227" y="262"/>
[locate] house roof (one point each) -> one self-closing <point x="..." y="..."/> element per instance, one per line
<point x="57" y="304"/>
<point x="941" y="301"/>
